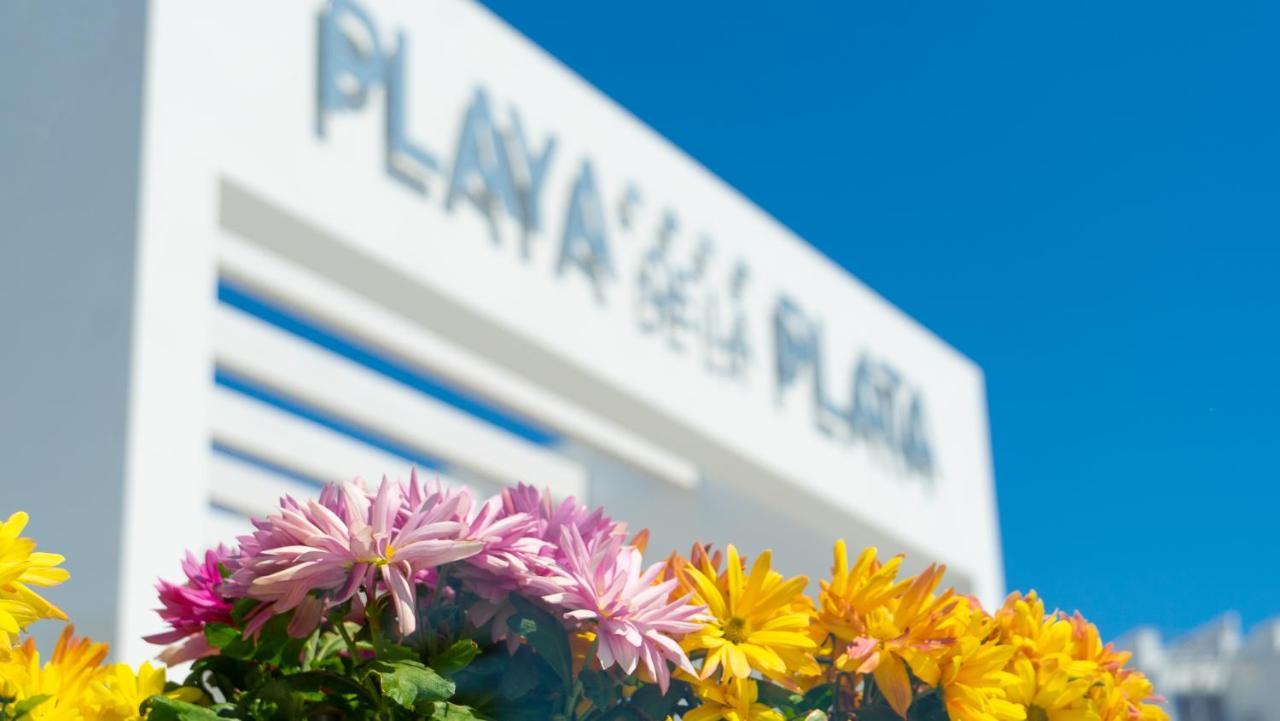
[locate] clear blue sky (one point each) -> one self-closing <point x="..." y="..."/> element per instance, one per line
<point x="1085" y="199"/>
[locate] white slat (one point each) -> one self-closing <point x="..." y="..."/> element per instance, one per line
<point x="246" y="262"/>
<point x="282" y="439"/>
<point x="325" y="380"/>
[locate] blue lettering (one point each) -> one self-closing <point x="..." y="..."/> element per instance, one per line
<point x="481" y="169"/>
<point x="585" y="244"/>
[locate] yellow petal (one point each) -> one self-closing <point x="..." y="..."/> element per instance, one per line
<point x="894" y="683"/>
<point x="707" y="592"/>
<point x="738" y="663"/>
<point x="734" y="570"/>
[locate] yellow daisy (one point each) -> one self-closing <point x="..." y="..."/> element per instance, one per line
<point x="119" y="692"/>
<point x="754" y="623"/>
<point x="67" y="679"/>
<point x="20" y="568"/>
<point x="732" y="701"/>
<point x="973" y="676"/>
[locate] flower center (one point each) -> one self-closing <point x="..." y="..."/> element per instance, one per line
<point x="387" y="557"/>
<point x="735" y="629"/>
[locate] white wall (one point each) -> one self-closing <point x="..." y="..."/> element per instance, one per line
<point x="72" y="74"/>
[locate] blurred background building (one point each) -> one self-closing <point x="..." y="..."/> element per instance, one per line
<point x="1215" y="673"/>
<point x="251" y="248"/>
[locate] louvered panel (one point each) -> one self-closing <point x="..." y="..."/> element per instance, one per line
<point x="379" y="408"/>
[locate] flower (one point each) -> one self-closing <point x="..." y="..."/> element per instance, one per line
<point x="119" y="691"/>
<point x="21" y="567"/>
<point x="912" y="632"/>
<point x="513" y="554"/>
<point x="754" y="623"/>
<point x="314" y="556"/>
<point x="854" y="592"/>
<point x="973" y="676"/>
<point x="66" y="679"/>
<point x="634" y="618"/>
<point x="75" y="684"/>
<point x="1063" y="671"/>
<point x="189" y="607"/>
<point x="732" y="701"/>
<point x="593" y="526"/>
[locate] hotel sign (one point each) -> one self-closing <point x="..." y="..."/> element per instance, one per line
<point x="682" y="291"/>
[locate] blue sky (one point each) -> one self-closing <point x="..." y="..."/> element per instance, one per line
<point x="1085" y="199"/>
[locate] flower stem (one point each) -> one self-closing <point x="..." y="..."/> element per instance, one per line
<point x="352" y="650"/>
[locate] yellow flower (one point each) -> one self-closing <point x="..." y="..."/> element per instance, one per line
<point x="20" y="568"/>
<point x="973" y="676"/>
<point x="78" y="686"/>
<point x="732" y="701"/>
<point x="887" y="628"/>
<point x="1064" y="671"/>
<point x="700" y="557"/>
<point x="754" y="623"/>
<point x="852" y="593"/>
<point x="67" y="678"/>
<point x="1042" y="637"/>
<point x="1049" y="693"/>
<point x="1087" y="645"/>
<point x="1127" y="696"/>
<point x="119" y="692"/>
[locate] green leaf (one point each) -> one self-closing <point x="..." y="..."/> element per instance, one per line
<point x="546" y="635"/>
<point x="242" y="608"/>
<point x="409" y="682"/>
<point x="25" y="706"/>
<point x="519" y="679"/>
<point x="929" y="706"/>
<point x="778" y="697"/>
<point x="599" y="688"/>
<point x="220" y="635"/>
<point x="167" y="709"/>
<point x="396" y="652"/>
<point x="327" y="682"/>
<point x="445" y="711"/>
<point x="456" y="657"/>
<point x="651" y="703"/>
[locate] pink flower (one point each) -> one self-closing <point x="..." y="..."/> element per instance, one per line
<point x="189" y="607"/>
<point x="514" y="555"/>
<point x="315" y="556"/>
<point x="593" y="526"/>
<point x="635" y="622"/>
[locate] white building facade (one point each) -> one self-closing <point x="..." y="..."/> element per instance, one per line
<point x="1215" y="673"/>
<point x="252" y="248"/>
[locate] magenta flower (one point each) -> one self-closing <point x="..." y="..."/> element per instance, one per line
<point x="190" y="606"/>
<point x="316" y="556"/>
<point x="636" y="623"/>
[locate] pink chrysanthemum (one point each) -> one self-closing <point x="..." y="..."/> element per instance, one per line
<point x="592" y="526"/>
<point x="190" y="606"/>
<point x="314" y="556"/>
<point x="635" y="621"/>
<point x="514" y="554"/>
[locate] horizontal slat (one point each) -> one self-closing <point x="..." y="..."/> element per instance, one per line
<point x="321" y="379"/>
<point x="250" y="488"/>
<point x="278" y="438"/>
<point x="319" y="297"/>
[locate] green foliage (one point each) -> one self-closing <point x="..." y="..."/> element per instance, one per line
<point x="545" y="634"/>
<point x="165" y="709"/>
<point x="348" y="671"/>
<point x="410" y="683"/>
